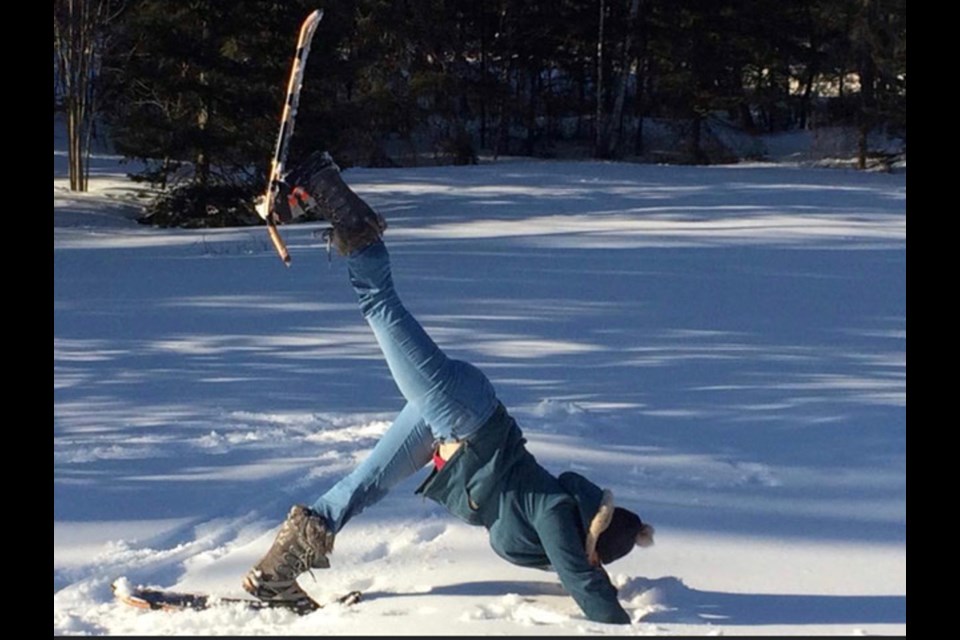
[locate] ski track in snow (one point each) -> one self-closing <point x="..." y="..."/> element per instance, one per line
<point x="723" y="347"/>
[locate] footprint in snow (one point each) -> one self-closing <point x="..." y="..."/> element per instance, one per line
<point x="382" y="550"/>
<point x="429" y="532"/>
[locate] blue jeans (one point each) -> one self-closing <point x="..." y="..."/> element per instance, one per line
<point x="447" y="399"/>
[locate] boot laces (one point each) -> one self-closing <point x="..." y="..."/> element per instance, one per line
<point x="298" y="548"/>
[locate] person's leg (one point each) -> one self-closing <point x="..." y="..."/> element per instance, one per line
<point x="307" y="535"/>
<point x="403" y="450"/>
<point x="454" y="397"/>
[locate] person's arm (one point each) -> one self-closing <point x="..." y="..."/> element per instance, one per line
<point x="589" y="586"/>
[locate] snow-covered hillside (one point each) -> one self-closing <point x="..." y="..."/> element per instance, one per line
<point x="723" y="347"/>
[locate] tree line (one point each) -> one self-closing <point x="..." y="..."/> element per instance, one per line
<point x="194" y="88"/>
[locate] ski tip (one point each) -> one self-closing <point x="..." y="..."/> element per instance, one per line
<point x="121" y="587"/>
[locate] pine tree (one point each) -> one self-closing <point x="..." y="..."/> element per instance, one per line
<point x="879" y="50"/>
<point x="198" y="89"/>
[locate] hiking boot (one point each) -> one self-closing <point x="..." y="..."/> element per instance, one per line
<point x="317" y="183"/>
<point x="302" y="544"/>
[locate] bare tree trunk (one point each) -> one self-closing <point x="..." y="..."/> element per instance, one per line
<point x="600" y="129"/>
<point x="79" y="39"/>
<point x="483" y="75"/>
<point x="643" y="74"/>
<point x="582" y="102"/>
<point x="502" y="143"/>
<point x="75" y="150"/>
<point x="697" y="156"/>
<point x="625" y="63"/>
<point x="866" y="69"/>
<point x="506" y="111"/>
<point x="202" y="159"/>
<point x="806" y="98"/>
<point x="531" y="115"/>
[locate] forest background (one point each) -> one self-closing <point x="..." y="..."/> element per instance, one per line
<point x="194" y="89"/>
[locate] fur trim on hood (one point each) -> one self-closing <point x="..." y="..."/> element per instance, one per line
<point x="599" y="524"/>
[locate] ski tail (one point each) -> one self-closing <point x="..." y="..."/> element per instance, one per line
<point x="287" y="121"/>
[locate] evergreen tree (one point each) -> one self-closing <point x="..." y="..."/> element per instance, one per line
<point x="699" y="63"/>
<point x="879" y="46"/>
<point x="197" y="95"/>
<point x="198" y="88"/>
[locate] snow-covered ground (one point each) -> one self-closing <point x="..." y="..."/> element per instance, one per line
<point x="723" y="347"/>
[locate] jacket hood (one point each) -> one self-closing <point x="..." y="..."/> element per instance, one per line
<point x="595" y="505"/>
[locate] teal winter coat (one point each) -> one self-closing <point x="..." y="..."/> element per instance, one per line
<point x="534" y="519"/>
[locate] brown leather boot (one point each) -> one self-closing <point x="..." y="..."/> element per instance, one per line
<point x="302" y="544"/>
<point x="354" y="224"/>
